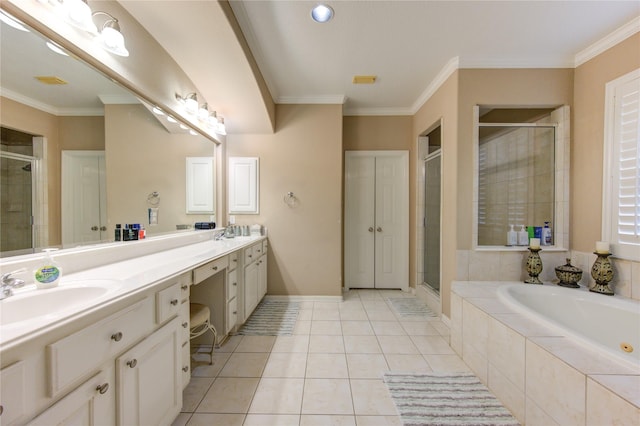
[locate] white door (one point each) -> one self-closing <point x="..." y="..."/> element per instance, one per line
<point x="84" y="205"/>
<point x="377" y="219"/>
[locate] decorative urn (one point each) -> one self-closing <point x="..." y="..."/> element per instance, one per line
<point x="568" y="275"/>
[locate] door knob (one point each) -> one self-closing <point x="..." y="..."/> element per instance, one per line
<point x="94" y="228"/>
<point x="103" y="388"/>
<point x="103" y="228"/>
<point x="371" y="229"/>
<point x="132" y="363"/>
<point x="116" y="336"/>
<point x="379" y="229"/>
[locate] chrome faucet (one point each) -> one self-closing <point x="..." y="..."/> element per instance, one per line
<point x="8" y="283"/>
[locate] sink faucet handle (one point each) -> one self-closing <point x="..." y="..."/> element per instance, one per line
<point x="10" y="281"/>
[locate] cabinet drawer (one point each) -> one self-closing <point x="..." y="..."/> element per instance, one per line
<point x="233" y="260"/>
<point x="168" y="302"/>
<point x="184" y="323"/>
<point x="232" y="284"/>
<point x="257" y="250"/>
<point x="185" y="284"/>
<point x="265" y="247"/>
<point x="12" y="393"/>
<point x="249" y="256"/>
<point x="205" y="271"/>
<point x="78" y="354"/>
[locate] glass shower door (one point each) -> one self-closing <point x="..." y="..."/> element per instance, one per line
<point x="432" y="178"/>
<point x="16" y="205"/>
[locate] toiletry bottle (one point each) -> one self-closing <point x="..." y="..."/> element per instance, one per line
<point x="512" y="237"/>
<point x="142" y="233"/>
<point x="48" y="275"/>
<point x="118" y="236"/>
<point x="523" y="236"/>
<point x="546" y="235"/>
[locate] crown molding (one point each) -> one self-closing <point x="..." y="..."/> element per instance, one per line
<point x="442" y="76"/>
<point x="50" y="109"/>
<point x="377" y="111"/>
<point x="607" y="42"/>
<point x="514" y="63"/>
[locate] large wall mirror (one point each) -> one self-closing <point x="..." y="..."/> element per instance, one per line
<point x="521" y="175"/>
<point x="80" y="154"/>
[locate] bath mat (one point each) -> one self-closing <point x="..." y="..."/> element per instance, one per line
<point x="410" y="307"/>
<point x="445" y="399"/>
<point x="272" y="318"/>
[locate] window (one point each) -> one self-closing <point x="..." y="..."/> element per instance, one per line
<point x="621" y="187"/>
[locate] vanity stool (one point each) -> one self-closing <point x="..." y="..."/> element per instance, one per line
<point x="200" y="320"/>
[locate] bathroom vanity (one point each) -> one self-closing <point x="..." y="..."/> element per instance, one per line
<point x="110" y="345"/>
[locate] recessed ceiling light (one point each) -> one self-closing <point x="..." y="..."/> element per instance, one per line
<point x="322" y="13"/>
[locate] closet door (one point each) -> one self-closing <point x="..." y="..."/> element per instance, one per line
<point x="359" y="253"/>
<point x="391" y="213"/>
<point x="376" y="219"/>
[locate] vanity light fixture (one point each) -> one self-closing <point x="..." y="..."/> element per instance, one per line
<point x="12" y="22"/>
<point x="190" y="102"/>
<point x="170" y="119"/>
<point x="79" y="15"/>
<point x="193" y="132"/>
<point x="158" y="111"/>
<point x="203" y="112"/>
<point x="220" y="127"/>
<point x="322" y="13"/>
<point x="110" y="36"/>
<point x="183" y="127"/>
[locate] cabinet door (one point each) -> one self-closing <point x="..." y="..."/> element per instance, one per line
<point x="200" y="185"/>
<point x="250" y="289"/>
<point x="232" y="314"/>
<point x="93" y="403"/>
<point x="262" y="277"/>
<point x="244" y="191"/>
<point x="150" y="379"/>
<point x="13" y="395"/>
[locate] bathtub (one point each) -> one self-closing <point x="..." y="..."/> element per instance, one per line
<point x="611" y="323"/>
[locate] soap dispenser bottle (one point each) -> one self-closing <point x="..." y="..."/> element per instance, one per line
<point x="523" y="236"/>
<point x="512" y="237"/>
<point x="48" y="275"/>
<point x="546" y="239"/>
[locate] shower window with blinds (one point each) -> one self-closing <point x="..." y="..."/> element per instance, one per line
<point x="621" y="186"/>
<point x="519" y="172"/>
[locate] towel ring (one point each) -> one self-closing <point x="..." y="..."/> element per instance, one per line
<point x="290" y="199"/>
<point x="153" y="199"/>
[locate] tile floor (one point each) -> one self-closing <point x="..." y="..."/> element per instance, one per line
<point x="328" y="373"/>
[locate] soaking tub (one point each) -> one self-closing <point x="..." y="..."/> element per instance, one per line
<point x="611" y="323"/>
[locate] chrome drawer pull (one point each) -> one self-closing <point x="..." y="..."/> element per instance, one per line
<point x="215" y="268"/>
<point x="132" y="363"/>
<point x="116" y="336"/>
<point x="184" y="287"/>
<point x="103" y="388"/>
<point x="174" y="302"/>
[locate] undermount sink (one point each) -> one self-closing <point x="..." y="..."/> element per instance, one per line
<point x="33" y="304"/>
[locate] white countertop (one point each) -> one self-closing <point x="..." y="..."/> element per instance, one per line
<point x="122" y="279"/>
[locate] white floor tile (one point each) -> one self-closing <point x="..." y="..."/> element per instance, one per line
<point x="327" y="396"/>
<point x="354" y="315"/>
<point x="320" y="420"/>
<point x="229" y="395"/>
<point x="302" y="327"/>
<point x="332" y="366"/>
<point x="371" y="397"/>
<point x="361" y="345"/>
<point x="387" y="328"/>
<point x="326" y="328"/>
<point x="295" y="343"/>
<point x="256" y="344"/>
<point x="325" y="315"/>
<point x="407" y="363"/>
<point x="245" y="365"/>
<point x="366" y="366"/>
<point x="397" y="345"/>
<point x="278" y="396"/>
<point x="194" y="392"/>
<point x="208" y="419"/>
<point x="286" y="364"/>
<point x="269" y="420"/>
<point x="378" y="421"/>
<point x="326" y="344"/>
<point x="357" y="328"/>
<point x="432" y="345"/>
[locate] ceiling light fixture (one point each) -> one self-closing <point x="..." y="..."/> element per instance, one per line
<point x="12" y="22"/>
<point x="190" y="102"/>
<point x="322" y="13"/>
<point x="220" y="127"/>
<point x="158" y="111"/>
<point x="170" y="119"/>
<point x="111" y="37"/>
<point x="203" y="112"/>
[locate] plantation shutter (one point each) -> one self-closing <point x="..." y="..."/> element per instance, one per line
<point x="626" y="165"/>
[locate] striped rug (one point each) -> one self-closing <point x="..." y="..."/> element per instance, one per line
<point x="410" y="307"/>
<point x="445" y="399"/>
<point x="272" y="318"/>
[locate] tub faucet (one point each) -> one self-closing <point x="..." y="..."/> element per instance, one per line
<point x="8" y="283"/>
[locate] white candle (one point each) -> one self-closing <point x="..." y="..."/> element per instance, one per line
<point x="602" y="247"/>
<point x="534" y="243"/>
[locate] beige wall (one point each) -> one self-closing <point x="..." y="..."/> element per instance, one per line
<point x="303" y="156"/>
<point x="443" y="105"/>
<point x="364" y="133"/>
<point x="81" y="133"/>
<point x="142" y="157"/>
<point x="588" y="138"/>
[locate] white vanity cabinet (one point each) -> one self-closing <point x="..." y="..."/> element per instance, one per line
<point x="124" y="366"/>
<point x="255" y="276"/>
<point x="232" y="292"/>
